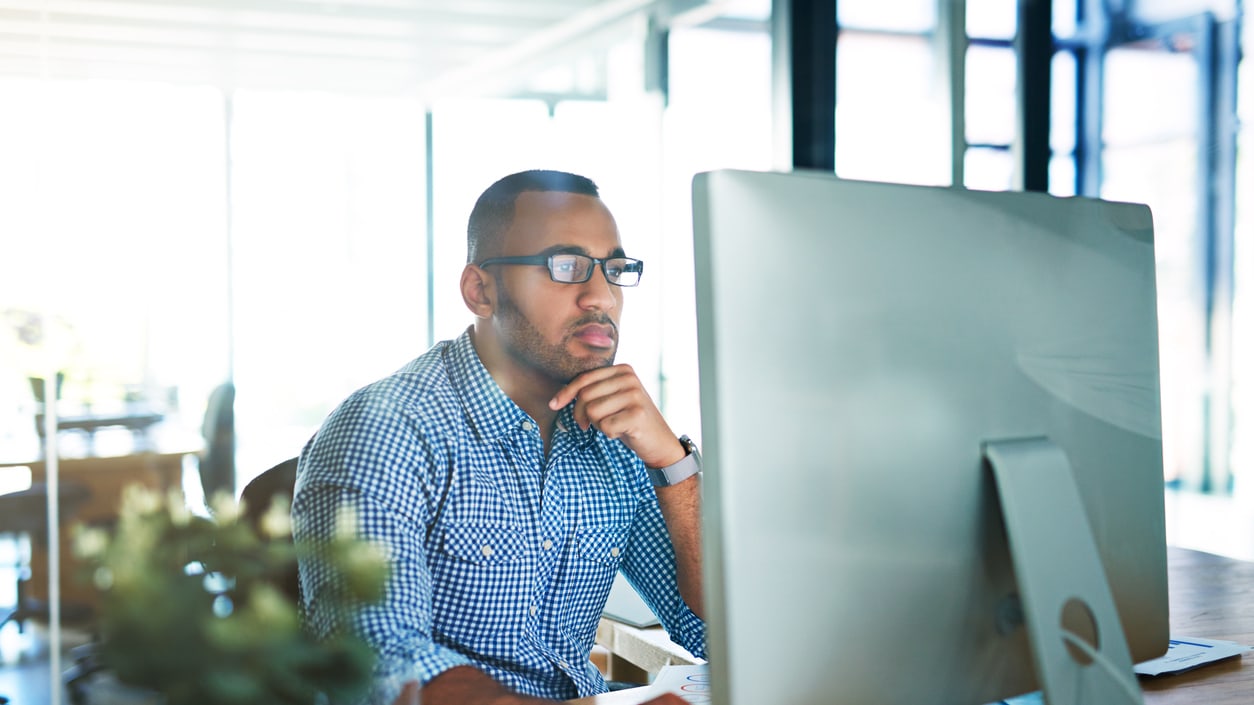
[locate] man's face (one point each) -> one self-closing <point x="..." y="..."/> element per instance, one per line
<point x="559" y="330"/>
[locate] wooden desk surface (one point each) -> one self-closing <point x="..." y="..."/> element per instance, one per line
<point x="1211" y="596"/>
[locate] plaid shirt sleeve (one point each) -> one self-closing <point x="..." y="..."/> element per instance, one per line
<point x="650" y="568"/>
<point x="363" y="461"/>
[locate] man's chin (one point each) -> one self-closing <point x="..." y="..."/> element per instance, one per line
<point x="587" y="363"/>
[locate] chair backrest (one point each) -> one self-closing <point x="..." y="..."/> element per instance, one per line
<point x="217" y="462"/>
<point x="257" y="496"/>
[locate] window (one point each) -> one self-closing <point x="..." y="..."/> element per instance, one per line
<point x="113" y="214"/>
<point x="1150" y="155"/>
<point x="719" y="117"/>
<point x="891" y="123"/>
<point x="329" y="268"/>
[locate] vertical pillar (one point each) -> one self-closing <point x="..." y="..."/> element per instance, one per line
<point x="1034" y="44"/>
<point x="951" y="40"/>
<point x="803" y="36"/>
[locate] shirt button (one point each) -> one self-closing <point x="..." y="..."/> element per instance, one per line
<point x="614" y="552"/>
<point x="563" y="665"/>
<point x="487" y="551"/>
<point x="547" y="545"/>
<point x="534" y="609"/>
<point x="527" y="426"/>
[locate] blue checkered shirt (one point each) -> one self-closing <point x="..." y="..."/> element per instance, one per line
<point x="501" y="558"/>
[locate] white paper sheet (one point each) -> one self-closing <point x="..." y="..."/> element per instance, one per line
<point x="1184" y="653"/>
<point x="692" y="683"/>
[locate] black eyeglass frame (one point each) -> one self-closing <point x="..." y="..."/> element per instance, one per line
<point x="631" y="265"/>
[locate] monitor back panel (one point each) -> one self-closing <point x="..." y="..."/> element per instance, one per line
<point x="858" y="342"/>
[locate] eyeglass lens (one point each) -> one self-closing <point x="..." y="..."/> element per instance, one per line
<point x="574" y="269"/>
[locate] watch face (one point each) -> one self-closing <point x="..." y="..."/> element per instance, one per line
<point x="681" y="470"/>
<point x="688" y="445"/>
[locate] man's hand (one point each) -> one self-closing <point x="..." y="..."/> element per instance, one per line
<point x="614" y="400"/>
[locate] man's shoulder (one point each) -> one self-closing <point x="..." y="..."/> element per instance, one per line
<point x="420" y="388"/>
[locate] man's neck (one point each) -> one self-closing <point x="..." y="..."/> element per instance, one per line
<point x="530" y="391"/>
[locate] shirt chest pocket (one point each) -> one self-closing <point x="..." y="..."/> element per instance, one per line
<point x="483" y="545"/>
<point x="602" y="545"/>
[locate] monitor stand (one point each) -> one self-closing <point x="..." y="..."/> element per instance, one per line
<point x="1062" y="584"/>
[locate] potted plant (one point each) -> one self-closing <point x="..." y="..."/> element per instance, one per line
<point x="192" y="612"/>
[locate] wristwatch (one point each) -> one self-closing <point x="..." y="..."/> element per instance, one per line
<point x="679" y="470"/>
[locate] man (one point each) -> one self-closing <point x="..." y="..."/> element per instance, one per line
<point x="512" y="472"/>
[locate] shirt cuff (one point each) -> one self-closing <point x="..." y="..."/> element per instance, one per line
<point x="689" y="632"/>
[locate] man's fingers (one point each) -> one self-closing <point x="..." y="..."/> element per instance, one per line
<point x="576" y="387"/>
<point x="572" y="389"/>
<point x="599" y="403"/>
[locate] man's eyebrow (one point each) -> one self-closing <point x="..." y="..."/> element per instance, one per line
<point x="579" y="250"/>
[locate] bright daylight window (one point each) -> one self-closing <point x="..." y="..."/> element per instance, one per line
<point x="1150" y="156"/>
<point x="718" y="117"/>
<point x="117" y="202"/>
<point x="113" y="214"/>
<point x="329" y="241"/>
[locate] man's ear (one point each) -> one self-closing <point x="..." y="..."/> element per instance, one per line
<point x="478" y="291"/>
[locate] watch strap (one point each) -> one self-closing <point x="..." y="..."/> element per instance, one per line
<point x="680" y="470"/>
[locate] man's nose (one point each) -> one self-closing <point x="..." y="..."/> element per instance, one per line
<point x="598" y="292"/>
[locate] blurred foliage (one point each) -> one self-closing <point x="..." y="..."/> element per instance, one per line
<point x="192" y="607"/>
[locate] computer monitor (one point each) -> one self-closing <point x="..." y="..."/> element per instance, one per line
<point x="873" y="360"/>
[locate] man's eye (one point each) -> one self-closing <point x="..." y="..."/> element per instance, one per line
<point x="564" y="266"/>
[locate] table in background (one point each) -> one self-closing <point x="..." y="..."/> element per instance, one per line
<point x="104" y="477"/>
<point x="1210" y="596"/>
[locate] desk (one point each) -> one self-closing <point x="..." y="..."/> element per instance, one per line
<point x="104" y="478"/>
<point x="634" y="653"/>
<point x="1210" y="596"/>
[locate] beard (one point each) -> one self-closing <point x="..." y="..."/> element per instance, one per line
<point x="526" y="345"/>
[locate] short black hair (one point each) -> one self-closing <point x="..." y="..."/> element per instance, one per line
<point x="494" y="211"/>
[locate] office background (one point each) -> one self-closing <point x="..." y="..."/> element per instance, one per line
<point x="274" y="192"/>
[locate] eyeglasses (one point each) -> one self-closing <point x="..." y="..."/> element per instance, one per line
<point x="568" y="268"/>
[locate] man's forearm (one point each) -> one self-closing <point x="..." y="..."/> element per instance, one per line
<point x="466" y="685"/>
<point x="681" y="508"/>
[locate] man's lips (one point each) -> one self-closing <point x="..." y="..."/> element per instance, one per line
<point x="596" y="336"/>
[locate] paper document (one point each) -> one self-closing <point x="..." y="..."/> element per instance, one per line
<point x="692" y="683"/>
<point x="1190" y="652"/>
<point x="1183" y="654"/>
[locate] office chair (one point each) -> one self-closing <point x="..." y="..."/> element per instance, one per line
<point x="279" y="480"/>
<point x="217" y="461"/>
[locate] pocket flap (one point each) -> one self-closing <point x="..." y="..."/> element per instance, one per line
<point x="604" y="545"/>
<point x="483" y="544"/>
